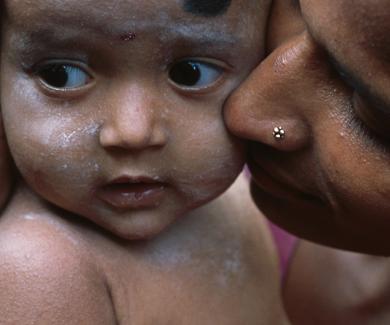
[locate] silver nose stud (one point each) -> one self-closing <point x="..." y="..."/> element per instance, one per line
<point x="279" y="133"/>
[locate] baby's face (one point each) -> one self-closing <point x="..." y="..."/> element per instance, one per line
<point x="113" y="109"/>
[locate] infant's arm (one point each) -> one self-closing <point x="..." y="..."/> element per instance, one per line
<point x="45" y="278"/>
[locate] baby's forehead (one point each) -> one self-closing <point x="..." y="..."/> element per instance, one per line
<point x="134" y="8"/>
<point x="234" y="19"/>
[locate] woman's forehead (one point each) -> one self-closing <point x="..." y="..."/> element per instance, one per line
<point x="363" y="19"/>
<point x="353" y="31"/>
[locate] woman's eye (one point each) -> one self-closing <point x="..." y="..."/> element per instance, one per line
<point x="194" y="74"/>
<point x="65" y="76"/>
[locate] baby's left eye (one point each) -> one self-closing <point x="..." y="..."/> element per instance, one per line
<point x="194" y="74"/>
<point x="63" y="76"/>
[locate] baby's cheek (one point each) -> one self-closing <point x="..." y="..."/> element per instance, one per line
<point x="54" y="158"/>
<point x="210" y="161"/>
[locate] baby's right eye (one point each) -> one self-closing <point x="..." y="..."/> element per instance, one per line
<point x="63" y="76"/>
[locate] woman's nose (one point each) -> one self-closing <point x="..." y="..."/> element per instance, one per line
<point x="133" y="122"/>
<point x="273" y="106"/>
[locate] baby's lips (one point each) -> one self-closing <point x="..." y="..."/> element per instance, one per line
<point x="132" y="192"/>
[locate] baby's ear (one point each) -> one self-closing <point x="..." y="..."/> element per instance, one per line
<point x="6" y="175"/>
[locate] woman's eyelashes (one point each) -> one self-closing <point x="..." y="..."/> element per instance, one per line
<point x="63" y="76"/>
<point x="193" y="74"/>
<point x="372" y="118"/>
<point x="362" y="115"/>
<point x="360" y="122"/>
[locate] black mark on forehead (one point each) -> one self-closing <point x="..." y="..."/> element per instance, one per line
<point x="296" y="3"/>
<point x="206" y="8"/>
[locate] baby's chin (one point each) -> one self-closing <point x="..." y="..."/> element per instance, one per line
<point x="147" y="224"/>
<point x="139" y="210"/>
<point x="144" y="225"/>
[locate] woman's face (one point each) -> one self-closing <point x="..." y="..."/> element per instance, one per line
<point x="327" y="84"/>
<point x="120" y="120"/>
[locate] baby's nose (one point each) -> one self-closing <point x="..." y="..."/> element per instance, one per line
<point x="133" y="122"/>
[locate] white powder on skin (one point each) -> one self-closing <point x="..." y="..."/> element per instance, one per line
<point x="73" y="137"/>
<point x="59" y="228"/>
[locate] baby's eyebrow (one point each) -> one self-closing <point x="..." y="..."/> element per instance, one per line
<point x="38" y="41"/>
<point x="206" y="8"/>
<point x="69" y="31"/>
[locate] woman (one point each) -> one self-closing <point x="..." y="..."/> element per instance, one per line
<point x="318" y="115"/>
<point x="324" y="174"/>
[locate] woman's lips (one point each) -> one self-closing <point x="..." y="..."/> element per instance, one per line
<point x="132" y="193"/>
<point x="273" y="186"/>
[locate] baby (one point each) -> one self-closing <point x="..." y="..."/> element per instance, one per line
<point x="113" y="116"/>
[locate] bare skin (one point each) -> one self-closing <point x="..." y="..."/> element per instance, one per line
<point x="327" y="85"/>
<point x="144" y="112"/>
<point x="340" y="287"/>
<point x="116" y="129"/>
<point x="332" y="168"/>
<point x="211" y="267"/>
<point x="5" y="163"/>
<point x="5" y="169"/>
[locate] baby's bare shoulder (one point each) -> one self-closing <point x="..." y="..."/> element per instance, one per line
<point x="46" y="275"/>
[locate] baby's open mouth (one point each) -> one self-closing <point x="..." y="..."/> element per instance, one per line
<point x="132" y="192"/>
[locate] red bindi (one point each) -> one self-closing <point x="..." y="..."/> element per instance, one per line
<point x="127" y="37"/>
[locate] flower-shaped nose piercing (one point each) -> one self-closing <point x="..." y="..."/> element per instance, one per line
<point x="279" y="133"/>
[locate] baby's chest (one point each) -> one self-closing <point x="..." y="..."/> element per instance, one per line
<point x="185" y="289"/>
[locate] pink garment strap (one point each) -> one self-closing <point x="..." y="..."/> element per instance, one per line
<point x="285" y="244"/>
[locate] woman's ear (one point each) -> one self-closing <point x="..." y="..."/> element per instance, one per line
<point x="6" y="175"/>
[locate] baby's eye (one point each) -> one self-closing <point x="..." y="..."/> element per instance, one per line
<point x="67" y="76"/>
<point x="193" y="74"/>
